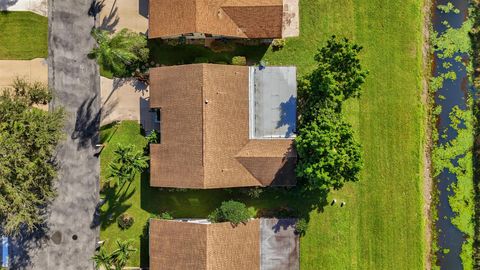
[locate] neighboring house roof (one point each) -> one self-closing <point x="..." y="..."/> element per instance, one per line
<point x="205" y="132"/>
<point x="259" y="244"/>
<point x="231" y="18"/>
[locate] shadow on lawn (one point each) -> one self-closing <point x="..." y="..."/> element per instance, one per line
<point x="163" y="53"/>
<point x="277" y="202"/>
<point x="115" y="204"/>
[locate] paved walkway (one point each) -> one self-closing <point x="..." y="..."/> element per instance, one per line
<point x="36" y="6"/>
<point x="32" y="70"/>
<point x="118" y="14"/>
<point x="73" y="231"/>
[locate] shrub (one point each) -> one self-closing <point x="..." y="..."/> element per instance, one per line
<point x="153" y="137"/>
<point x="239" y="61"/>
<point x="166" y="216"/>
<point x="253" y="192"/>
<point x="301" y="227"/>
<point x="278" y="44"/>
<point x="232" y="211"/>
<point x="125" y="221"/>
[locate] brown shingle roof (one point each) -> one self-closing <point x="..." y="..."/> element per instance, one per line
<point x="178" y="245"/>
<point x="232" y="18"/>
<point x="205" y="132"/>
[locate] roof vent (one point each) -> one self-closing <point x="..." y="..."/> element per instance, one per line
<point x="206" y="101"/>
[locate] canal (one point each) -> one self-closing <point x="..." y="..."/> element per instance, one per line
<point x="453" y="93"/>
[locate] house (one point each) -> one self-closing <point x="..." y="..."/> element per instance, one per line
<point x="267" y="244"/>
<point x="253" y="19"/>
<point x="223" y="126"/>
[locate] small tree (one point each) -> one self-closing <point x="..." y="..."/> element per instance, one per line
<point x="329" y="153"/>
<point x="118" y="259"/>
<point x="127" y="163"/>
<point x="337" y="77"/>
<point x="122" y="254"/>
<point x="232" y="211"/>
<point x="102" y="259"/>
<point x="120" y="53"/>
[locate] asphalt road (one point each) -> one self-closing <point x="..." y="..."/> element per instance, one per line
<point x="69" y="241"/>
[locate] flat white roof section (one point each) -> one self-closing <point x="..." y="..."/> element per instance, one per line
<point x="273" y="102"/>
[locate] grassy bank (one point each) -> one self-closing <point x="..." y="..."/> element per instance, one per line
<point x="381" y="226"/>
<point x="23" y="36"/>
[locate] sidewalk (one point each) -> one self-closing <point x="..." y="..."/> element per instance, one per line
<point x="36" y="6"/>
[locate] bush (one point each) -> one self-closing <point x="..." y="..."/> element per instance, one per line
<point x="239" y="61"/>
<point x="153" y="137"/>
<point x="253" y="192"/>
<point x="165" y="216"/>
<point x="125" y="221"/>
<point x="278" y="44"/>
<point x="301" y="227"/>
<point x="232" y="211"/>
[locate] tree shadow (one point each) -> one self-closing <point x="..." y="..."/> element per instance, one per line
<point x="5" y="4"/>
<point x="95" y="8"/>
<point x="288" y="115"/>
<point x="110" y="21"/>
<point x="23" y="247"/>
<point x="114" y="204"/>
<point x="87" y="123"/>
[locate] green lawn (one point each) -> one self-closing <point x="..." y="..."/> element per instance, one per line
<point x="381" y="226"/>
<point x="23" y="36"/>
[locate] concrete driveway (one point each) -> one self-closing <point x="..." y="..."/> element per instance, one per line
<point x="32" y="70"/>
<point x="125" y="99"/>
<point x="118" y="14"/>
<point x="36" y="6"/>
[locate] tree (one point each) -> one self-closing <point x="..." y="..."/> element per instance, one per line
<point x="232" y="211"/>
<point x="102" y="259"/>
<point x="127" y="163"/>
<point x="120" y="53"/>
<point x="329" y="153"/>
<point x="117" y="259"/>
<point x="28" y="137"/>
<point x="121" y="255"/>
<point x="337" y="77"/>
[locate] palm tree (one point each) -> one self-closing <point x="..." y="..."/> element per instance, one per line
<point x="119" y="51"/>
<point x="122" y="254"/>
<point x="127" y="163"/>
<point x="102" y="259"/>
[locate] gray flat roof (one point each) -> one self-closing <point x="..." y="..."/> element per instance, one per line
<point x="273" y="102"/>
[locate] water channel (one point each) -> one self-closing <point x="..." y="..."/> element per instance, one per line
<point x="453" y="93"/>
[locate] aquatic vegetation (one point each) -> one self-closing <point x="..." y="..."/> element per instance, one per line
<point x="449" y="7"/>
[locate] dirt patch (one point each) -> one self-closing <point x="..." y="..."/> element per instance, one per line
<point x="428" y="143"/>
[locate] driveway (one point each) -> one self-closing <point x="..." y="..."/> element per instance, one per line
<point x="126" y="99"/>
<point x="36" y="6"/>
<point x="118" y="14"/>
<point x="32" y="70"/>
